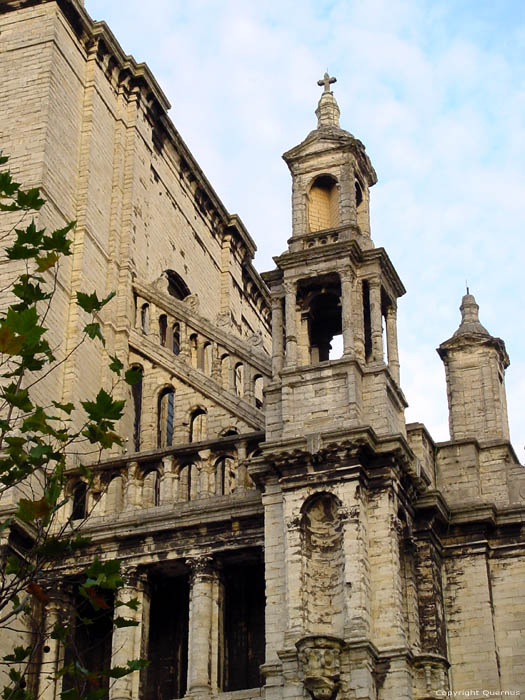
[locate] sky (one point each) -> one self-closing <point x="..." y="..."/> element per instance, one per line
<point x="436" y="92"/>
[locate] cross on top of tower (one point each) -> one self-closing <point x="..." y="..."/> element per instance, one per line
<point x="326" y="81"/>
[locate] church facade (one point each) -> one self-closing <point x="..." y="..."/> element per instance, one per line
<point x="287" y="533"/>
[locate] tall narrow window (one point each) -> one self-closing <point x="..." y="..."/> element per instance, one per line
<point x="136" y="393"/>
<point x="238" y="379"/>
<point x="79" y="510"/>
<point x="163" y="327"/>
<point x="194" y="342"/>
<point x="207" y="352"/>
<point x="198" y="425"/>
<point x="259" y="390"/>
<point x="144" y="318"/>
<point x="224" y="476"/>
<point x="151" y="489"/>
<point x="165" y="421"/>
<point x="175" y="339"/>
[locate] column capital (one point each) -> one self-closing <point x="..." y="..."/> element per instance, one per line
<point x="391" y="310"/>
<point x="202" y="567"/>
<point x="134" y="577"/>
<point x="346" y="274"/>
<point x="374" y="281"/>
<point x="290" y="286"/>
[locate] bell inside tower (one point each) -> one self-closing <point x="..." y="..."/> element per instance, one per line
<point x="320" y="301"/>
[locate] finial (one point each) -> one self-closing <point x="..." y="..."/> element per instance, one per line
<point x="326" y="82"/>
<point x="466" y="285"/>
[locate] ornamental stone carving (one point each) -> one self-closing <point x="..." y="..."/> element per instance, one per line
<point x="320" y="660"/>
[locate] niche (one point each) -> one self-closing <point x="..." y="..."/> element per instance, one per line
<point x="322" y="565"/>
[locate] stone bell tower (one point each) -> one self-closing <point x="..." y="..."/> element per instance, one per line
<point x="336" y="462"/>
<point x="333" y="282"/>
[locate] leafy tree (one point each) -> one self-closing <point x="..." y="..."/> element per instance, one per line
<point x="37" y="528"/>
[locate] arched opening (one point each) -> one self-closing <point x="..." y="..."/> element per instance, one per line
<point x="163" y="327"/>
<point x="79" y="509"/>
<point x="238" y="379"/>
<point x="136" y="393"/>
<point x="194" y="344"/>
<point x="207" y="358"/>
<point x="323" y="204"/>
<point x="165" y="417"/>
<point x="259" y="390"/>
<point x="151" y="489"/>
<point x="225" y="371"/>
<point x="189" y="482"/>
<point x="144" y="318"/>
<point x="198" y="425"/>
<point x="224" y="475"/>
<point x="175" y="339"/>
<point x="177" y="287"/>
<point x="320" y="301"/>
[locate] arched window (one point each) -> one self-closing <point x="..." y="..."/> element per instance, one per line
<point x="189" y="483"/>
<point x="323" y="204"/>
<point x="198" y="425"/>
<point x="258" y="390"/>
<point x="163" y="327"/>
<point x="151" y="489"/>
<point x="238" y="379"/>
<point x="79" y="510"/>
<point x="144" y="318"/>
<point x="207" y="352"/>
<point x="225" y="371"/>
<point x="136" y="393"/>
<point x="177" y="287"/>
<point x="224" y="476"/>
<point x="194" y="343"/>
<point x="175" y="339"/>
<point x="165" y="419"/>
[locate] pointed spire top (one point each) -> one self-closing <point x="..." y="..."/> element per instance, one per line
<point x="327" y="111"/>
<point x="470" y="317"/>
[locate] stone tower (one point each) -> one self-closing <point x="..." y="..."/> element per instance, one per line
<point x="475" y="364"/>
<point x="336" y="469"/>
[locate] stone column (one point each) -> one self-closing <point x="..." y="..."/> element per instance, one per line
<point x="277" y="334"/>
<point x="347" y="278"/>
<point x="375" y="318"/>
<point x="59" y="610"/>
<point x="242" y="472"/>
<point x="248" y="389"/>
<point x="167" y="485"/>
<point x="127" y="643"/>
<point x="391" y="341"/>
<point x="290" y="289"/>
<point x="203" y="586"/>
<point x="131" y="494"/>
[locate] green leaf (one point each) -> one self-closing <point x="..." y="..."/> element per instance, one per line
<point x="19" y="398"/>
<point x="123" y="622"/>
<point x="133" y="376"/>
<point x="91" y="303"/>
<point x="103" y="408"/>
<point x="115" y="365"/>
<point x="14" y="565"/>
<point x="10" y="343"/>
<point x="29" y="199"/>
<point x="66" y="407"/>
<point x="93" y="331"/>
<point x="132" y="604"/>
